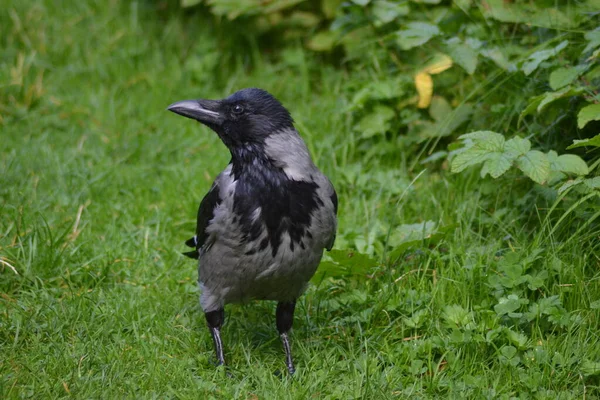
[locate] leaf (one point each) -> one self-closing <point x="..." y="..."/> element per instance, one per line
<point x="463" y="55"/>
<point x="534" y="60"/>
<point x="439" y="64"/>
<point x="509" y="304"/>
<point x="376" y="122"/>
<point x="563" y="76"/>
<point x="594" y="142"/>
<point x="535" y="165"/>
<point x="517" y="146"/>
<point x="439" y="108"/>
<point x="588" y="113"/>
<point x="387" y="11"/>
<point x="550" y="97"/>
<point x="498" y="57"/>
<point x="455" y="315"/>
<point x="592" y="183"/>
<point x="344" y="263"/>
<point x="480" y="146"/>
<point x="488" y="140"/>
<point x="496" y="165"/>
<point x="361" y="2"/>
<point x="416" y="34"/>
<point x="424" y="85"/>
<point x="593" y="38"/>
<point x="322" y="41"/>
<point x="569" y="163"/>
<point x="590" y="368"/>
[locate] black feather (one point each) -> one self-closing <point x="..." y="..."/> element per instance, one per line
<point x="205" y="215"/>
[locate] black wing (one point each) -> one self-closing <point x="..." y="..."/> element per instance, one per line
<point x="334" y="200"/>
<point x="205" y="214"/>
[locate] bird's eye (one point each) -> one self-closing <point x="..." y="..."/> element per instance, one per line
<point x="238" y="109"/>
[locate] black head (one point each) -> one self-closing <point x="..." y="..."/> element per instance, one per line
<point x="246" y="117"/>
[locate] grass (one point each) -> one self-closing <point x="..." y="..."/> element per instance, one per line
<point x="99" y="187"/>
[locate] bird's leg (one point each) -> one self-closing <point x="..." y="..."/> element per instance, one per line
<point x="284" y="318"/>
<point x="215" y="321"/>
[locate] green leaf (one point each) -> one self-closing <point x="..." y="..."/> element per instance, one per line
<point x="517" y="338"/>
<point x="344" y="263"/>
<point x="498" y="57"/>
<point x="569" y="163"/>
<point x="595" y="305"/>
<point x="593" y="38"/>
<point x="387" y="11"/>
<point x="376" y="122"/>
<point x="594" y="142"/>
<point x="550" y="97"/>
<point x="487" y="140"/>
<point x="590" y="368"/>
<point x="416" y="34"/>
<point x="509" y="304"/>
<point x="439" y="108"/>
<point x="496" y="165"/>
<point x="535" y="165"/>
<point x="587" y="114"/>
<point x="517" y="146"/>
<point x="455" y="315"/>
<point x="592" y="183"/>
<point x="534" y="60"/>
<point x="361" y="2"/>
<point x="463" y="55"/>
<point x="562" y="77"/>
<point x="322" y="41"/>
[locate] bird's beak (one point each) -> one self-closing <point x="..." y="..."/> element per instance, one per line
<point x="205" y="111"/>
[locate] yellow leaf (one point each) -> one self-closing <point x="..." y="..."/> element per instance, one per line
<point x="424" y="85"/>
<point x="440" y="63"/>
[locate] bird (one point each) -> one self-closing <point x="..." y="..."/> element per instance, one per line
<point x="263" y="226"/>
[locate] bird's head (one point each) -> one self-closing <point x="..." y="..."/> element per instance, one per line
<point x="248" y="116"/>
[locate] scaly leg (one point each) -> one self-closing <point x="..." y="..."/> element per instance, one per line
<point x="284" y="318"/>
<point x="215" y="321"/>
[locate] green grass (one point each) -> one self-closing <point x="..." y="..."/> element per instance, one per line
<point x="99" y="187"/>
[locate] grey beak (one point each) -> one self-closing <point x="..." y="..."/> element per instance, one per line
<point x="204" y="111"/>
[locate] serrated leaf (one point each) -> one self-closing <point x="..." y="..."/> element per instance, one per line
<point x="487" y="140"/>
<point x="562" y="77"/>
<point x="535" y="165"/>
<point x="534" y="60"/>
<point x="463" y="55"/>
<point x="595" y="305"/>
<point x="587" y="114"/>
<point x="594" y="142"/>
<point x="496" y="165"/>
<point x="517" y="146"/>
<point x="416" y="34"/>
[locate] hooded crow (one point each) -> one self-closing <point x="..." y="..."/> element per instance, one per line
<point x="263" y="225"/>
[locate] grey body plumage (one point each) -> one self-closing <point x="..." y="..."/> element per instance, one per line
<point x="268" y="216"/>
